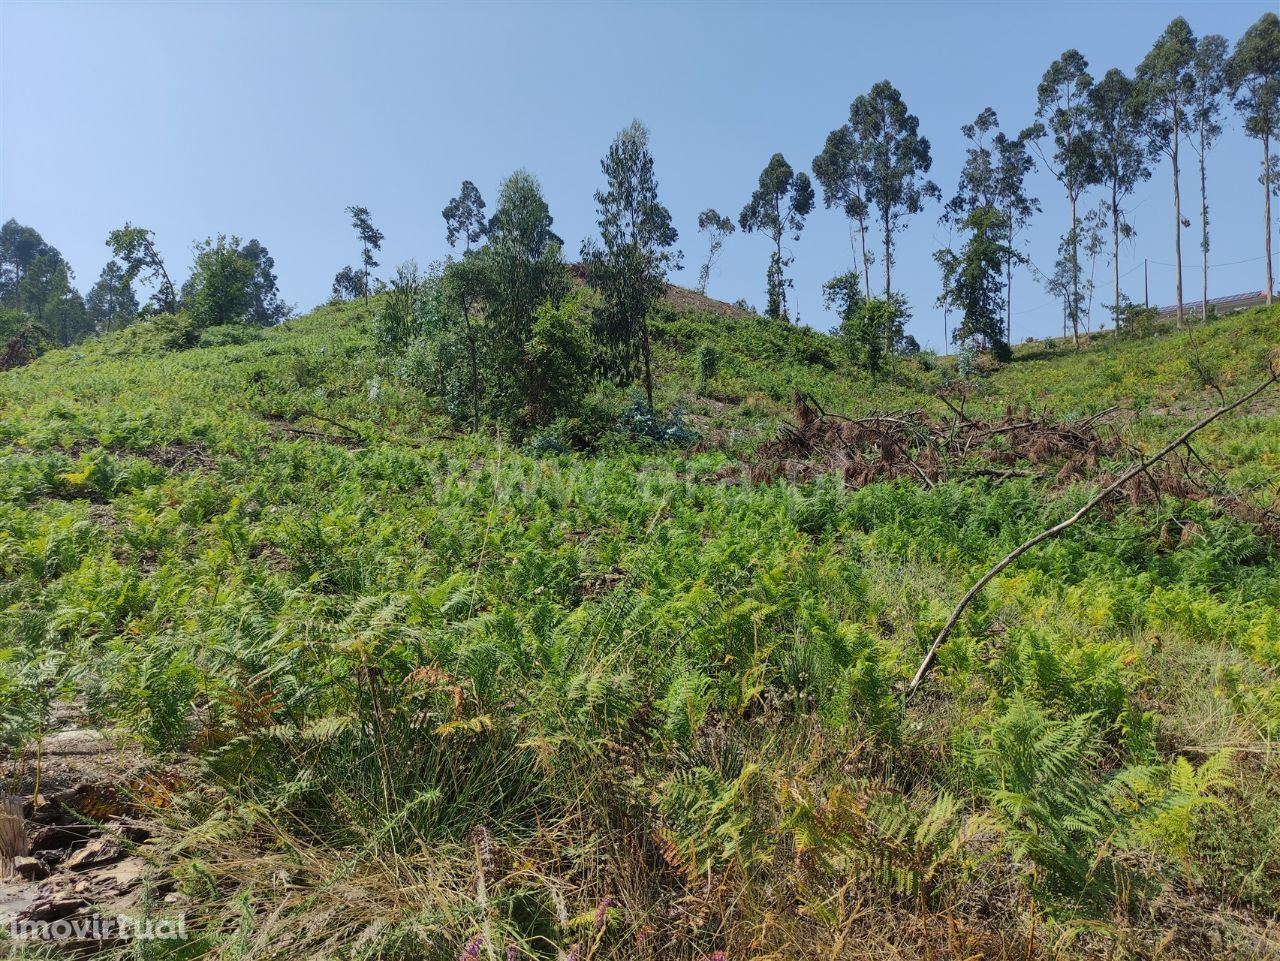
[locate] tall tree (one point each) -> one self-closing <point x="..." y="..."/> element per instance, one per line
<point x="523" y="269"/>
<point x="19" y="246"/>
<point x="111" y="303"/>
<point x="267" y="309"/>
<point x="465" y="220"/>
<point x="1122" y="155"/>
<point x="857" y="334"/>
<point x="841" y="169"/>
<point x="1165" y="83"/>
<point x="47" y="294"/>
<point x="717" y="227"/>
<point x="464" y="217"/>
<point x="972" y="282"/>
<point x="1062" y="103"/>
<point x="348" y="283"/>
<point x="371" y="239"/>
<point x="1254" y="76"/>
<point x="220" y="290"/>
<point x="630" y="268"/>
<point x="135" y="248"/>
<point x="994" y="175"/>
<point x="896" y="159"/>
<point x="1208" y="93"/>
<point x="782" y="200"/>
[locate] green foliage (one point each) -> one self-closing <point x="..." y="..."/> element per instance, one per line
<point x="1040" y="777"/>
<point x="895" y="159"/>
<point x="135" y="249"/>
<point x="558" y="359"/>
<point x="370" y="243"/>
<point x="915" y="850"/>
<point x="972" y="281"/>
<point x="111" y="303"/>
<point x="717" y="227"/>
<point x="708" y="365"/>
<point x="630" y="269"/>
<point x="221" y="287"/>
<point x="615" y="663"/>
<point x="779" y="206"/>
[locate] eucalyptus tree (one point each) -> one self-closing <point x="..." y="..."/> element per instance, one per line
<point x="221" y="289"/>
<point x="994" y="175"/>
<point x="842" y="171"/>
<point x="972" y="282"/>
<point x="465" y="220"/>
<point x="1165" y="84"/>
<point x="1254" y="76"/>
<point x="778" y="207"/>
<point x="1208" y="95"/>
<point x="1062" y="111"/>
<point x="348" y="283"/>
<point x="717" y="227"/>
<point x="1123" y="159"/>
<point x="464" y="217"/>
<point x="522" y="269"/>
<point x="370" y="240"/>
<point x="896" y="159"/>
<point x="637" y="249"/>
<point x="266" y="309"/>
<point x="135" y="248"/>
<point x="111" y="302"/>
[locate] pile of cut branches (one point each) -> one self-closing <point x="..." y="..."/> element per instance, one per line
<point x="881" y="447"/>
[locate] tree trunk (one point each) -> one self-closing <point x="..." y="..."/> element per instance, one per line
<point x="887" y="268"/>
<point x="1266" y="185"/>
<point x="782" y="294"/>
<point x="1008" y="282"/>
<point x="1115" y="255"/>
<point x="648" y="373"/>
<point x="888" y="315"/>
<point x="475" y="366"/>
<point x="1177" y="212"/>
<point x="1074" y="309"/>
<point x="1204" y="233"/>
<point x="866" y="263"/>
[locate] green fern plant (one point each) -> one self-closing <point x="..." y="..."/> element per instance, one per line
<point x="1058" y="812"/>
<point x="912" y="848"/>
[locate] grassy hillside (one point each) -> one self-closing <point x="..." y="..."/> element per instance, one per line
<point x="452" y="696"/>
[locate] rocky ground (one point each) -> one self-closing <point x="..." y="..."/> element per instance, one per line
<point x="87" y="841"/>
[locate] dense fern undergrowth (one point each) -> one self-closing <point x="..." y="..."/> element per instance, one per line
<point x="469" y="695"/>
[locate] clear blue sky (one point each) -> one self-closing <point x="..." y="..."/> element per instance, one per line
<point x="266" y="120"/>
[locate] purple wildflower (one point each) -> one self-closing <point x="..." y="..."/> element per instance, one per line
<point x="472" y="949"/>
<point x="513" y="953"/>
<point x="602" y="912"/>
<point x="718" y="956"/>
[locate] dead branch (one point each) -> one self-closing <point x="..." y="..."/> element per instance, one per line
<point x="1140" y="468"/>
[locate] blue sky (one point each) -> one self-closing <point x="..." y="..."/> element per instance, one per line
<point x="266" y="120"/>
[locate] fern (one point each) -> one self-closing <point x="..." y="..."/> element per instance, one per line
<point x="910" y="848"/>
<point x="1057" y="812"/>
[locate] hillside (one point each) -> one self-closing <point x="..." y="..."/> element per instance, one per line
<point x="394" y="690"/>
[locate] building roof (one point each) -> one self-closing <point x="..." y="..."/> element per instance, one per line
<point x="1232" y="301"/>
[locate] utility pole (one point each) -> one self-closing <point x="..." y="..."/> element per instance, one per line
<point x="1146" y="285"/>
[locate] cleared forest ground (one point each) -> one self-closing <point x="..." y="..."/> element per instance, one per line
<point x="444" y="695"/>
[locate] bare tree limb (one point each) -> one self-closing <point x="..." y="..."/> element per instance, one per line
<point x="1141" y="467"/>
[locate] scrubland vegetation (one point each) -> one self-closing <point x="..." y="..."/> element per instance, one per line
<point x="462" y="696"/>
<point x="513" y="608"/>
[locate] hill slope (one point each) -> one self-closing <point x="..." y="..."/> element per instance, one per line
<point x="450" y="696"/>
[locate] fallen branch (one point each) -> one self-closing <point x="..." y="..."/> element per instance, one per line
<point x="349" y="431"/>
<point x="1141" y="467"/>
<point x="341" y="439"/>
